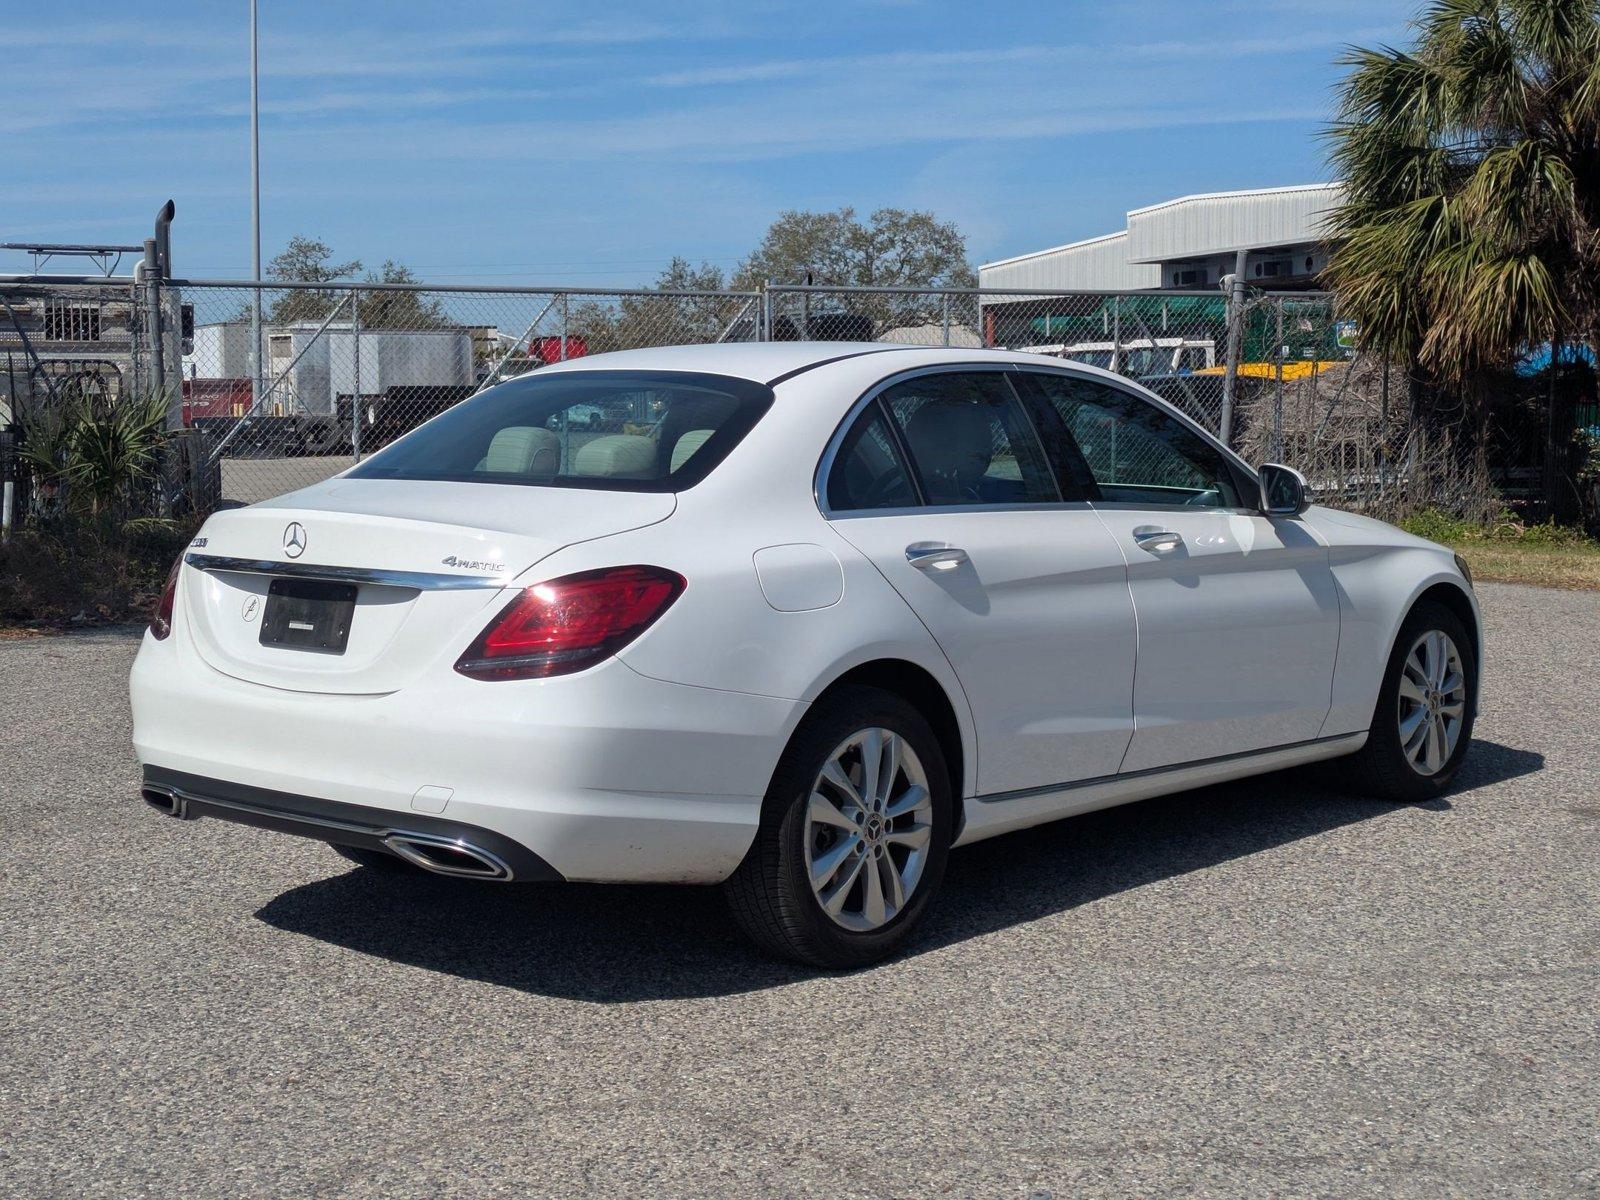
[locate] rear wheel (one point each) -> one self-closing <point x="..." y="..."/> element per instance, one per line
<point x="1423" y="721"/>
<point x="854" y="835"/>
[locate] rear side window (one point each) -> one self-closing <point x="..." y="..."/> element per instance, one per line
<point x="970" y="440"/>
<point x="640" y="431"/>
<point x="869" y="471"/>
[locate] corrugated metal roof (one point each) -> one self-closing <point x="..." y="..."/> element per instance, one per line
<point x="1094" y="263"/>
<point x="1219" y="222"/>
<point x="1188" y="227"/>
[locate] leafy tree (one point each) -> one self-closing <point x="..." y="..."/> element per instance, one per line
<point x="399" y="310"/>
<point x="1470" y="230"/>
<point x="892" y="248"/>
<point x="635" y="321"/>
<point x="306" y="260"/>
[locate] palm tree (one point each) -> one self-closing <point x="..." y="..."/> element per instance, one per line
<point x="1470" y="228"/>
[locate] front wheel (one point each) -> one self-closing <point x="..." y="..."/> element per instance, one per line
<point x="854" y="835"/>
<point x="1423" y="722"/>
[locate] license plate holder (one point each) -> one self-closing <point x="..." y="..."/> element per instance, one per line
<point x="308" y="614"/>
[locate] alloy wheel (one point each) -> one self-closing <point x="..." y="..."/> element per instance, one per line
<point x="869" y="825"/>
<point x="1432" y="702"/>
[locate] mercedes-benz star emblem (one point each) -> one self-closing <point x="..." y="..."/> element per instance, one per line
<point x="294" y="539"/>
<point x="250" y="606"/>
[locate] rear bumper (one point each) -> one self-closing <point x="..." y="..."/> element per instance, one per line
<point x="604" y="776"/>
<point x="457" y="849"/>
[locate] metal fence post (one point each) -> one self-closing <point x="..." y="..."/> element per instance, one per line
<point x="1116" y="334"/>
<point x="945" y="318"/>
<point x="1277" y="400"/>
<point x="564" y="301"/>
<point x="1230" y="378"/>
<point x="152" y="297"/>
<point x="355" y="406"/>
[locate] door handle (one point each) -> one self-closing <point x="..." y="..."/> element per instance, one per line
<point x="926" y="556"/>
<point x="1156" y="540"/>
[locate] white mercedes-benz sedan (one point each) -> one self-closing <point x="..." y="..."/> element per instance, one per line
<point x="795" y="618"/>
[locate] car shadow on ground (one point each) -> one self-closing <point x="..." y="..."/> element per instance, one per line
<point x="610" y="943"/>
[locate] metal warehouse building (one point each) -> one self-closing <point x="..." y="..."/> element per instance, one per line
<point x="1190" y="242"/>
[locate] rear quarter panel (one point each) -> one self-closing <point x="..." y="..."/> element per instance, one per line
<point x="725" y="632"/>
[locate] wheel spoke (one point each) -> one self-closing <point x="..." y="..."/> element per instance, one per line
<point x="892" y="885"/>
<point x="1409" y="726"/>
<point x="834" y="773"/>
<point x="824" y="868"/>
<point x="1414" y="742"/>
<point x="1409" y="690"/>
<point x="872" y="901"/>
<point x="823" y="811"/>
<point x="888" y="768"/>
<point x="912" y="799"/>
<point x="1435" y="756"/>
<point x="871" y="763"/>
<point x="833" y="899"/>
<point x="914" y="836"/>
<point x="1455" y="710"/>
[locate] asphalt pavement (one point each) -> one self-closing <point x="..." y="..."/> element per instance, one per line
<point x="1265" y="989"/>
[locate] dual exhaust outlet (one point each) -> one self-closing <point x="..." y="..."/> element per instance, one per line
<point x="441" y="855"/>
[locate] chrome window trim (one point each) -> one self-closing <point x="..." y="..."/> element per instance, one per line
<point x="852" y="514"/>
<point x="819" y="478"/>
<point x="425" y="581"/>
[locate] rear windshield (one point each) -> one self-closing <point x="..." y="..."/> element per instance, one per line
<point x="637" y="431"/>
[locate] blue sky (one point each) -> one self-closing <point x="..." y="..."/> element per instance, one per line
<point x="575" y="143"/>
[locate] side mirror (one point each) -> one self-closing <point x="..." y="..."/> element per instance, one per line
<point x="1284" y="492"/>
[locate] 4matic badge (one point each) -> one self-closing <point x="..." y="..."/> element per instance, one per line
<point x="472" y="564"/>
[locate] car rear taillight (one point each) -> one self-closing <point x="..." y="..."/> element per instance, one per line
<point x="161" y="616"/>
<point x="570" y="623"/>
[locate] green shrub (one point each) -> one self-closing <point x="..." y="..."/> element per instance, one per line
<point x="67" y="571"/>
<point x="1439" y="526"/>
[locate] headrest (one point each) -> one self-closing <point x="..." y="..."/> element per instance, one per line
<point x="683" y="449"/>
<point x="523" y="450"/>
<point x="953" y="444"/>
<point x="617" y="456"/>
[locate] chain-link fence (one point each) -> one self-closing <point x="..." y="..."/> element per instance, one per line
<point x="281" y="385"/>
<point x="342" y="371"/>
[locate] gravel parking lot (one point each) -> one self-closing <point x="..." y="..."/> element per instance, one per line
<point x="1261" y="989"/>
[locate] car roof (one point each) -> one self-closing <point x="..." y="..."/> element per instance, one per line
<point x="770" y="362"/>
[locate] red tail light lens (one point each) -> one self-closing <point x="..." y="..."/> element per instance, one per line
<point x="570" y="623"/>
<point x="161" y="616"/>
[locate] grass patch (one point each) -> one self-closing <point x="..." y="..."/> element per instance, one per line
<point x="1507" y="552"/>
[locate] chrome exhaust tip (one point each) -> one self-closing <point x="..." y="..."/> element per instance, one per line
<point x="448" y="856"/>
<point x="169" y="804"/>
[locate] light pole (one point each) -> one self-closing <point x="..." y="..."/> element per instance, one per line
<point x="255" y="219"/>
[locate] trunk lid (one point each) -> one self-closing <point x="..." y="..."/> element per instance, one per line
<point x="447" y="550"/>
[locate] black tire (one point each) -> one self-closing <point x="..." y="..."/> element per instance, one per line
<point x="771" y="895"/>
<point x="377" y="860"/>
<point x="1380" y="769"/>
